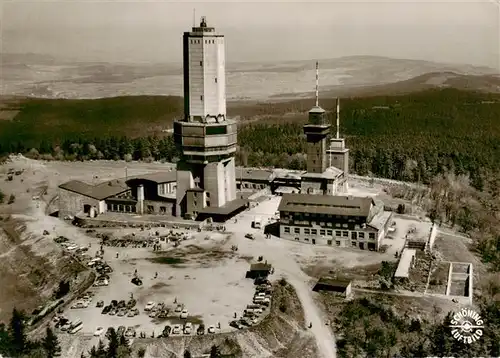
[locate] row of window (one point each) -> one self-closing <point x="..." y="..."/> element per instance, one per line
<point x="307" y="231"/>
<point x="361" y="245"/>
<point x="121" y="208"/>
<point x="250" y="186"/>
<point x="207" y="42"/>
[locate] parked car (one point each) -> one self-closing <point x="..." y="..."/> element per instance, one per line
<point x="184" y="313"/>
<point x="235" y="324"/>
<point x="176" y="329"/>
<point x="100" y="303"/>
<point x="149" y="306"/>
<point x="121" y="312"/>
<point x="250" y="236"/>
<point x="188" y="328"/>
<point x="121" y="331"/>
<point x="113" y="311"/>
<point x="211" y="329"/>
<point x="166" y="331"/>
<point x="201" y="329"/>
<point x="178" y="309"/>
<point x="98" y="331"/>
<point x="106" y="310"/>
<point x="130" y="332"/>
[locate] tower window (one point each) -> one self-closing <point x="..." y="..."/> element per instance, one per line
<point x="201" y="63"/>
<point x="201" y="98"/>
<point x="215" y="79"/>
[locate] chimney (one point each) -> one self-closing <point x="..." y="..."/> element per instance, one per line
<point x="140" y="198"/>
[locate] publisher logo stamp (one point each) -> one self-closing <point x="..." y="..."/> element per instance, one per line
<point x="467" y="326"/>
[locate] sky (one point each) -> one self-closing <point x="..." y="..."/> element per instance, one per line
<point x="147" y="31"/>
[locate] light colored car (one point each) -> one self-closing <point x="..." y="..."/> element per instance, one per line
<point x="211" y="329"/>
<point x="149" y="306"/>
<point x="178" y="309"/>
<point x="188" y="327"/>
<point x="184" y="313"/>
<point x="98" y="331"/>
<point x="176" y="329"/>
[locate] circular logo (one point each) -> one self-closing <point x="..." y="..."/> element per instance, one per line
<point x="467" y="326"/>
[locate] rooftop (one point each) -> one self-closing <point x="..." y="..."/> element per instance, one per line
<point x="252" y="174"/>
<point x="329" y="173"/>
<point x="403" y="270"/>
<point x="279" y="173"/>
<point x="226" y="209"/>
<point x="98" y="192"/>
<point x="317" y="109"/>
<point x="158" y="177"/>
<point x="335" y="282"/>
<point x="260" y="267"/>
<point x="325" y="204"/>
<point x="380" y="219"/>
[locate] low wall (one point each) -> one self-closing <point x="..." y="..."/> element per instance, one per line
<point x="85" y="222"/>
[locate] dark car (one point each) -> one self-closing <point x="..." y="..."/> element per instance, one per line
<point x="166" y="331"/>
<point x="201" y="329"/>
<point x="106" y="309"/>
<point x="108" y="332"/>
<point x="235" y="324"/>
<point x="100" y="304"/>
<point x="114" y="303"/>
<point x="121" y="331"/>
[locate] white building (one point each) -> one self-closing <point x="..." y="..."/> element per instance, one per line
<point x="206" y="179"/>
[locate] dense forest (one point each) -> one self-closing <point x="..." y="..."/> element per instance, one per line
<point x="372" y="329"/>
<point x="411" y="137"/>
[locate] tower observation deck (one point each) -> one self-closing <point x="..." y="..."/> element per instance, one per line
<point x="205" y="138"/>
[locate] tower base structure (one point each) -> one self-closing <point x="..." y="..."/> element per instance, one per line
<point x="206" y="178"/>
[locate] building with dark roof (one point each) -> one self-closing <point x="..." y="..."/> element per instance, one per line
<point x="341" y="286"/>
<point x="343" y="221"/>
<point x="152" y="193"/>
<point x="250" y="179"/>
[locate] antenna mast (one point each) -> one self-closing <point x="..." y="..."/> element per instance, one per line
<point x="317" y="84"/>
<point x="194" y="17"/>
<point x="338" y="117"/>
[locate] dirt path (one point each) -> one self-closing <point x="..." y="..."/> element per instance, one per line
<point x="324" y="337"/>
<point x="285" y="265"/>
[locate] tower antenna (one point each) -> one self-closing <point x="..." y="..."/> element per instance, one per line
<point x="194" y="17"/>
<point x="317" y="84"/>
<point x="338" y="117"/>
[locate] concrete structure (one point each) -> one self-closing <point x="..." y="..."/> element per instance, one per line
<point x="343" y="221"/>
<point x="334" y="285"/>
<point x="206" y="181"/>
<point x="144" y="194"/>
<point x="321" y="178"/>
<point x="406" y="261"/>
<point x="338" y="156"/>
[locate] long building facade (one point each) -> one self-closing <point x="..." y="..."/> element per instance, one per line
<point x="342" y="221"/>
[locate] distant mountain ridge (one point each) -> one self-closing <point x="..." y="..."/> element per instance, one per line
<point x="40" y="75"/>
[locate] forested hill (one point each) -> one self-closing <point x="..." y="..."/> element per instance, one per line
<point x="409" y="137"/>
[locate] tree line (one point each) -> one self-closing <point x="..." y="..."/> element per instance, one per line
<point x="411" y="137"/>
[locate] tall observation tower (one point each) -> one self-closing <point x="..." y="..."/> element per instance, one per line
<point x="321" y="177"/>
<point x="206" y="180"/>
